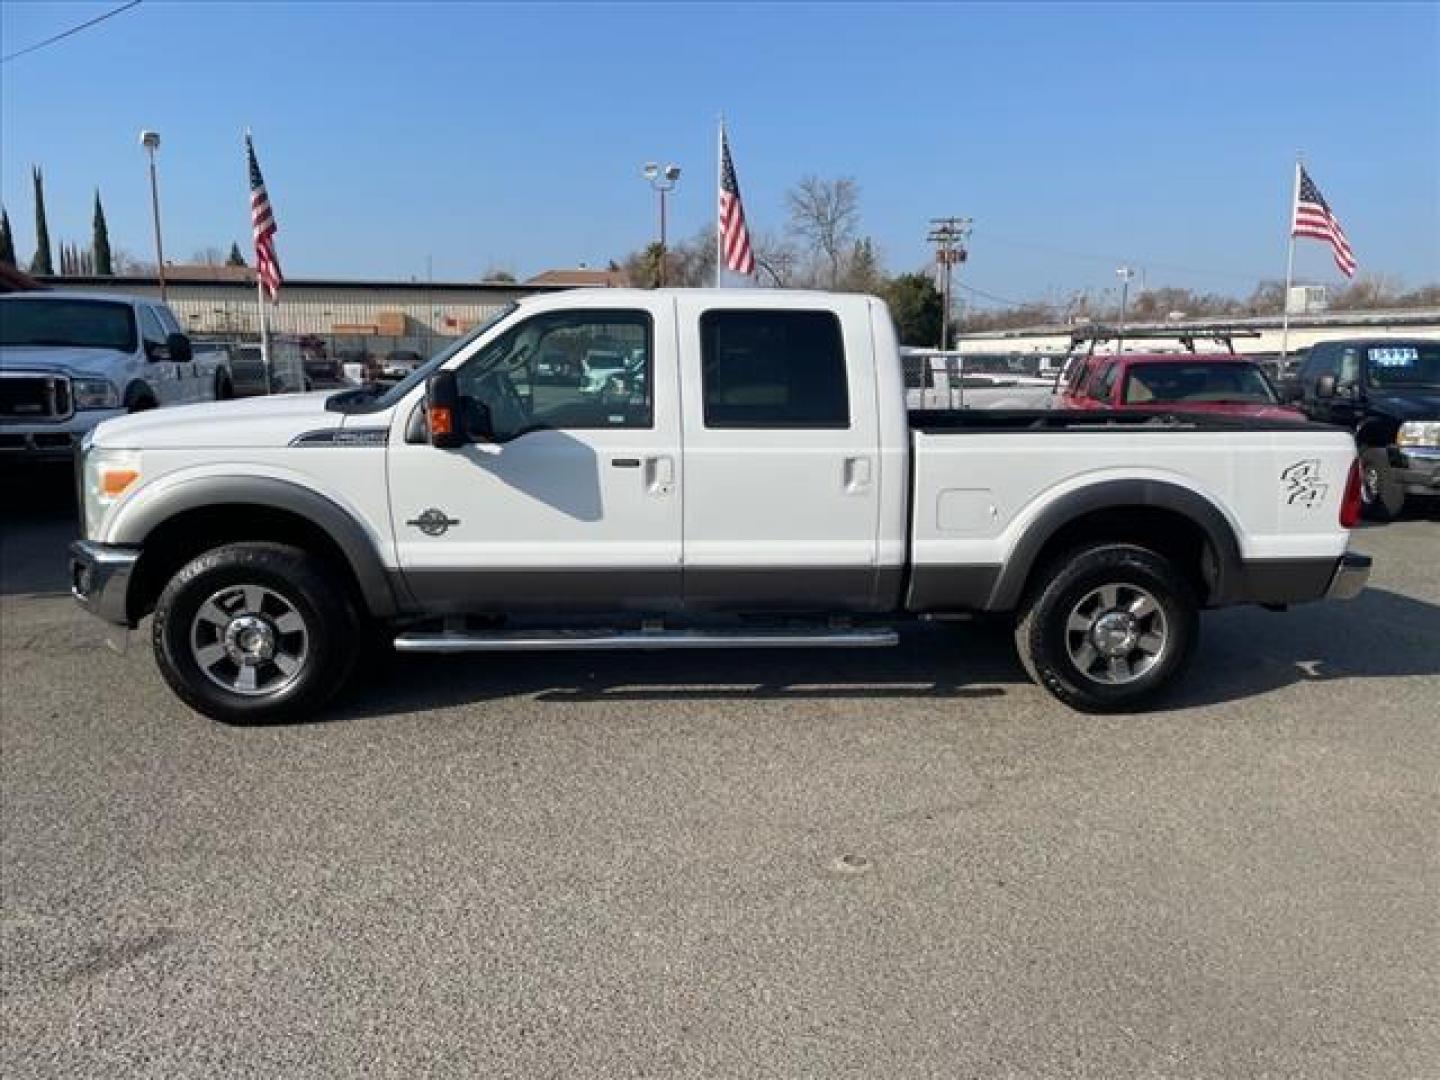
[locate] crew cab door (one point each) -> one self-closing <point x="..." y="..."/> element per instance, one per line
<point x="781" y="454"/>
<point x="575" y="502"/>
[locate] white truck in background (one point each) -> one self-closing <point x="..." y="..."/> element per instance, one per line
<point x="754" y="480"/>
<point x="69" y="360"/>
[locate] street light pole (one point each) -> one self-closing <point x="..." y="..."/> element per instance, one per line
<point x="1125" y="274"/>
<point x="151" y="141"/>
<point x="663" y="181"/>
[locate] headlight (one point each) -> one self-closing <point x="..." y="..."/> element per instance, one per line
<point x="1419" y="433"/>
<point x="109" y="474"/>
<point x="94" y="394"/>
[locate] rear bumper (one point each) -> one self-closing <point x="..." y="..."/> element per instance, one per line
<point x="1281" y="582"/>
<point x="100" y="579"/>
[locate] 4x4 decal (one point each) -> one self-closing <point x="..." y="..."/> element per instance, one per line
<point x="1303" y="486"/>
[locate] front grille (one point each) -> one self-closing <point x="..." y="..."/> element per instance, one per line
<point x="35" y="397"/>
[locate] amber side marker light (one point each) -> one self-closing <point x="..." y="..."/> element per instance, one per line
<point x="115" y="482"/>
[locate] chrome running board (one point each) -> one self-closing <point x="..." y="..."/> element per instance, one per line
<point x="638" y="639"/>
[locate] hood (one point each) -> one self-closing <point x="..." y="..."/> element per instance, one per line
<point x="1417" y="404"/>
<point x="59" y="360"/>
<point x="248" y="423"/>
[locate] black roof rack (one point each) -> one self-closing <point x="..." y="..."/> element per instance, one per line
<point x="1186" y="335"/>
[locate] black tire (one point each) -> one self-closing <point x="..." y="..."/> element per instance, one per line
<point x="1381" y="496"/>
<point x="139" y="401"/>
<point x="1048" y="644"/>
<point x="290" y="576"/>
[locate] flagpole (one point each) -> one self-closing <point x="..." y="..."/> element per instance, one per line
<point x="260" y="301"/>
<point x="719" y="182"/>
<point x="1289" y="265"/>
<point x="264" y="330"/>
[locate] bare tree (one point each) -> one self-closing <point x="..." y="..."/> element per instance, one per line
<point x="209" y="256"/>
<point x="775" y="259"/>
<point x="1367" y="291"/>
<point x="127" y="265"/>
<point x="826" y="215"/>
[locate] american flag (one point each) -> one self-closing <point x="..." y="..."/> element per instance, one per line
<point x="262" y="222"/>
<point x="1314" y="219"/>
<point x="734" y="236"/>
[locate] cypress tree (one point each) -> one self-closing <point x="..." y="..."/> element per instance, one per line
<point x="100" y="245"/>
<point x="7" y="240"/>
<point x="44" y="262"/>
<point x="235" y="258"/>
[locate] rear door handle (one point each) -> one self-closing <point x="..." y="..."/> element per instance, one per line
<point x="625" y="462"/>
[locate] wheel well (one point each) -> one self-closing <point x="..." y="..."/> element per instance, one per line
<point x="1376" y="433"/>
<point x="138" y="392"/>
<point x="1166" y="532"/>
<point x="177" y="540"/>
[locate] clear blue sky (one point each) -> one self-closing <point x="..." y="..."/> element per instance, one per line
<point x="1076" y="136"/>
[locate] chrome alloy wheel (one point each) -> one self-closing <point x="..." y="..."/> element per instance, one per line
<point x="1369" y="485"/>
<point x="250" y="640"/>
<point x="1116" y="633"/>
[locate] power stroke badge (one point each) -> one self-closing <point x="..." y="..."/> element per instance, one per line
<point x="433" y="522"/>
<point x="1303" y="485"/>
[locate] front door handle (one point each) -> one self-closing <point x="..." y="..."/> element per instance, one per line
<point x="659" y="475"/>
<point x="857" y="475"/>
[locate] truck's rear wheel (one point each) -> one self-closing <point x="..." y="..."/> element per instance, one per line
<point x="1107" y="627"/>
<point x="255" y="633"/>
<point x="1381" y="496"/>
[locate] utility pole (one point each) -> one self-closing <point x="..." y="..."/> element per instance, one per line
<point x="950" y="235"/>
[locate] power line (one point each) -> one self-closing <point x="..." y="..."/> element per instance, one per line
<point x="67" y="33"/>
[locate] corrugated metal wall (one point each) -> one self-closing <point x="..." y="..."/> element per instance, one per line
<point x="231" y="309"/>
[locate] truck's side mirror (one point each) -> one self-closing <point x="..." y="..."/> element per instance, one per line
<point x="1325" y="387"/>
<point x="178" y="346"/>
<point x="442" y="411"/>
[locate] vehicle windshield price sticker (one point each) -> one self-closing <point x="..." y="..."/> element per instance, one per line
<point x="1395" y="356"/>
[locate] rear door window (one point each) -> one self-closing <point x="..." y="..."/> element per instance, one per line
<point x="773" y="369"/>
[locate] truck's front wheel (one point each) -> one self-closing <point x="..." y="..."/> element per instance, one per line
<point x="255" y="633"/>
<point x="1108" y="626"/>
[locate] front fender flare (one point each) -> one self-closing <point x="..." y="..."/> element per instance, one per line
<point x="151" y="507"/>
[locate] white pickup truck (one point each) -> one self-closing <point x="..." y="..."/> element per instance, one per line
<point x="70" y="359"/>
<point x="752" y="479"/>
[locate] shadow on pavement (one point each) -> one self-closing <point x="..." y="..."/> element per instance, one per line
<point x="1244" y="653"/>
<point x="39" y="521"/>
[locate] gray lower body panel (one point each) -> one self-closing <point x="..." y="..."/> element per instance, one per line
<point x="798" y="589"/>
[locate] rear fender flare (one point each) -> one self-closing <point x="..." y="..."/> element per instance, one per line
<point x="1117" y="495"/>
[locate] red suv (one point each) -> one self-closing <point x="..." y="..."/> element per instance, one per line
<point x="1174" y="382"/>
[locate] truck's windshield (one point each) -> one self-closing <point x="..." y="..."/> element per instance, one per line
<point x="1198" y="381"/>
<point x="1408" y="366"/>
<point x="68" y="323"/>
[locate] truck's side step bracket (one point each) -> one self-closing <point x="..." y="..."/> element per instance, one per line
<point x="686" y="639"/>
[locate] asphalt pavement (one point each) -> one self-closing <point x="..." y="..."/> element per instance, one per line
<point x="900" y="863"/>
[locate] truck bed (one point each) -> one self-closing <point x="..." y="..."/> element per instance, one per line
<point x="975" y="421"/>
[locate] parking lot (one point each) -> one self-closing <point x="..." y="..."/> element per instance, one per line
<point x="881" y="864"/>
